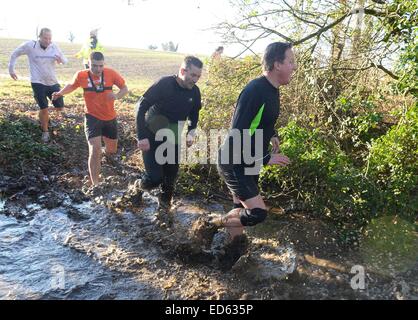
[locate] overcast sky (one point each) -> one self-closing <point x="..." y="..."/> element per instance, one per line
<point x="137" y="26"/>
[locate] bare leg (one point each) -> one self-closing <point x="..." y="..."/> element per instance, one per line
<point x="44" y="118"/>
<point x="95" y="157"/>
<point x="111" y="145"/>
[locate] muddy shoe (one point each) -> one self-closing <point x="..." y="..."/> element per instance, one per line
<point x="202" y="231"/>
<point x="227" y="251"/>
<point x="217" y="222"/>
<point x="164" y="199"/>
<point x="164" y="217"/>
<point x="45" y="137"/>
<point x="133" y="196"/>
<point x="163" y="205"/>
<point x="92" y="191"/>
<point x="136" y="198"/>
<point x="238" y="245"/>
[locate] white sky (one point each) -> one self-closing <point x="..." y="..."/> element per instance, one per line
<point x="146" y="22"/>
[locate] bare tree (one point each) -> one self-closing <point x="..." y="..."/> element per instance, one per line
<point x="170" y="46"/>
<point x="71" y="37"/>
<point x="326" y="29"/>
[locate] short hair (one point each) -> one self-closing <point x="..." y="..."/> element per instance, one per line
<point x="275" y="52"/>
<point x="191" y="60"/>
<point x="219" y="48"/>
<point x="98" y="56"/>
<point x="43" y="30"/>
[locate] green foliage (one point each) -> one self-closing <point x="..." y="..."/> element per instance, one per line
<point x="321" y="175"/>
<point x="20" y="145"/>
<point x="359" y="124"/>
<point x="330" y="184"/>
<point x="408" y="67"/>
<point x="393" y="165"/>
<point x="197" y="179"/>
<point x="400" y="25"/>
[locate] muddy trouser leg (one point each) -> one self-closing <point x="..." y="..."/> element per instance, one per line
<point x="153" y="171"/>
<point x="170" y="172"/>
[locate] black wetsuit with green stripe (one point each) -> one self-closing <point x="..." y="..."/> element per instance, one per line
<point x="258" y="107"/>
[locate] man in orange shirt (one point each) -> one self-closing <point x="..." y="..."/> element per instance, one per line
<point x="100" y="121"/>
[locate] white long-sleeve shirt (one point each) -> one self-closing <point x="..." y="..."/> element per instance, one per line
<point x="41" y="62"/>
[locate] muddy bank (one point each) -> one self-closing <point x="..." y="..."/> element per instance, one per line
<point x="69" y="244"/>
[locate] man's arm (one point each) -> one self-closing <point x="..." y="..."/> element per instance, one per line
<point x="141" y="109"/>
<point x="19" y="51"/>
<point x="193" y="120"/>
<point x="154" y="94"/>
<point x="123" y="91"/>
<point x="66" y="90"/>
<point x="60" y="56"/>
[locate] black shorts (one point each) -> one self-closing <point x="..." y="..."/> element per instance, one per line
<point x="94" y="127"/>
<point x="41" y="93"/>
<point x="243" y="186"/>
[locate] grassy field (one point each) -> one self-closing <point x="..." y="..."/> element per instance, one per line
<point x="140" y="67"/>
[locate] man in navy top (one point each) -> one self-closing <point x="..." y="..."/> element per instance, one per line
<point x="246" y="147"/>
<point x="165" y="106"/>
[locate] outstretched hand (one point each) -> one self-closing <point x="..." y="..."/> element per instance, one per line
<point x="58" y="59"/>
<point x="56" y="95"/>
<point x="279" y="159"/>
<point x="189" y="140"/>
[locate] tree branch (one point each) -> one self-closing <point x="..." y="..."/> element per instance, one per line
<point x="390" y="73"/>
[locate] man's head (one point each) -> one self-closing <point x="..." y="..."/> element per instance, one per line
<point x="220" y="50"/>
<point x="190" y="71"/>
<point x="93" y="33"/>
<point x="96" y="63"/>
<point x="279" y="60"/>
<point x="45" y="37"/>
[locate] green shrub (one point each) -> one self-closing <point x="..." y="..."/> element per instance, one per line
<point x="20" y="145"/>
<point x="393" y="166"/>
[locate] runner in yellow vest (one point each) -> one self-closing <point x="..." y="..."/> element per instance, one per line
<point x="91" y="45"/>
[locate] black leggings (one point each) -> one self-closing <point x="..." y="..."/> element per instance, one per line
<point x="157" y="174"/>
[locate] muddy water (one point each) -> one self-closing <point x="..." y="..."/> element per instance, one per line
<point x="87" y="251"/>
<point x="72" y="252"/>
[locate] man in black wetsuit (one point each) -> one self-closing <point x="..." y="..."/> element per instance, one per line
<point x="160" y="113"/>
<point x="246" y="147"/>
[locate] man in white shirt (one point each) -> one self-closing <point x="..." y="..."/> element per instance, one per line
<point x="43" y="55"/>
